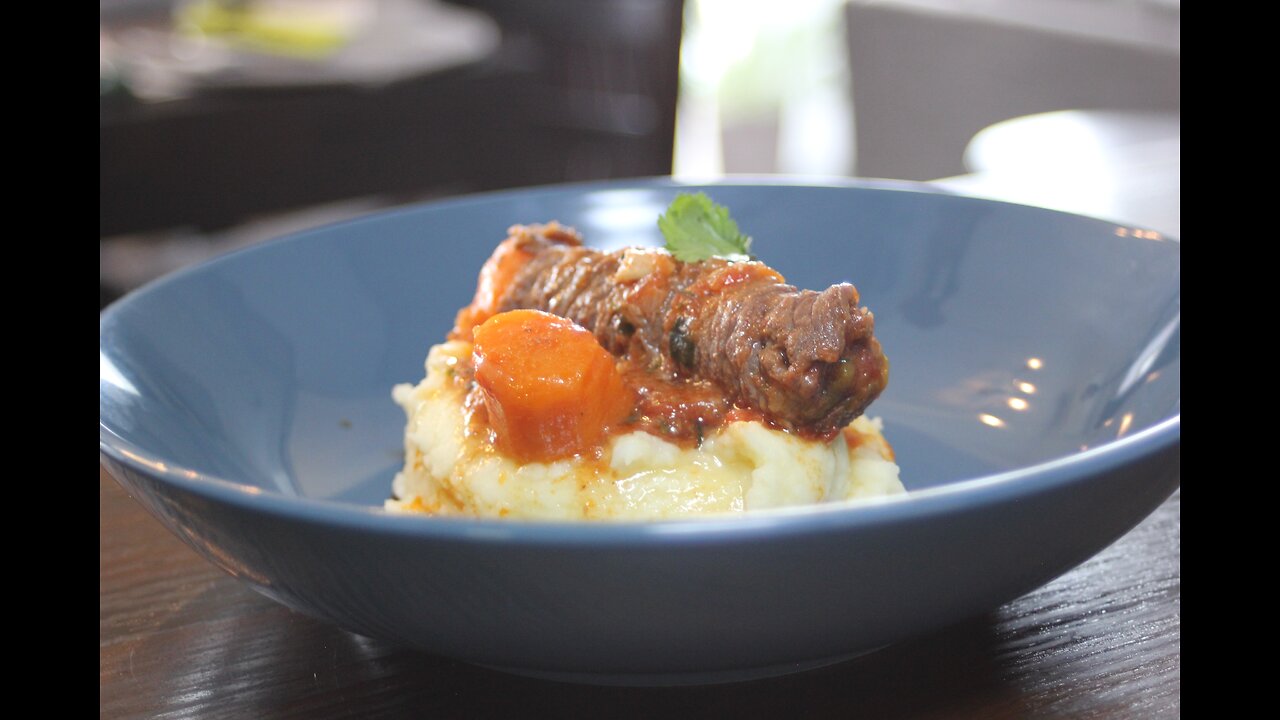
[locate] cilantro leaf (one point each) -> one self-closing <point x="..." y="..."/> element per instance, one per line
<point x="696" y="229"/>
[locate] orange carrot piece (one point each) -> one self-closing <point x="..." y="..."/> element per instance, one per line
<point x="550" y="389"/>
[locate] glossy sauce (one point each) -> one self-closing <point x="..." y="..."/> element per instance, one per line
<point x="678" y="410"/>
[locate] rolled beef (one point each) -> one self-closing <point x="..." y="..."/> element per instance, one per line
<point x="807" y="361"/>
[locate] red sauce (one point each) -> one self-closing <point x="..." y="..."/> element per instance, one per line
<point x="678" y="410"/>
<point x="726" y="276"/>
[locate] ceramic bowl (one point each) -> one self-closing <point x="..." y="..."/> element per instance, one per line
<point x="1034" y="405"/>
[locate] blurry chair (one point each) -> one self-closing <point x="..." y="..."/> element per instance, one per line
<point x="576" y="90"/>
<point x="582" y="90"/>
<point x="929" y="74"/>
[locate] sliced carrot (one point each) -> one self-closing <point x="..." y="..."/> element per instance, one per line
<point x="550" y="389"/>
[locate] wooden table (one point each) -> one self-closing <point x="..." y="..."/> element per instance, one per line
<point x="181" y="639"/>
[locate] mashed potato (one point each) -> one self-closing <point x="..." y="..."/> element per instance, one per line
<point x="742" y="466"/>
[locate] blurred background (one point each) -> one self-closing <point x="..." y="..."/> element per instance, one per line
<point x="227" y="122"/>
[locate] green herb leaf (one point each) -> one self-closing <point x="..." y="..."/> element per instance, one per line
<point x="696" y="229"/>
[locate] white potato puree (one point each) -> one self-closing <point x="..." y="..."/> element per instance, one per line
<point x="744" y="466"/>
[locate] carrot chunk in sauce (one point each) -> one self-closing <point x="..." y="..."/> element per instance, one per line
<point x="550" y="389"/>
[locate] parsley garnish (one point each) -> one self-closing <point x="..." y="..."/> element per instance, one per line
<point x="697" y="229"/>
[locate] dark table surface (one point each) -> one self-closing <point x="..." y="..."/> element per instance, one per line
<point x="179" y="638"/>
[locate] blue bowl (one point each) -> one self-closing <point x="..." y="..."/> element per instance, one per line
<point x="1034" y="404"/>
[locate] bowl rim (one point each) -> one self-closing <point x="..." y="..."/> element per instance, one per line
<point x="956" y="496"/>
